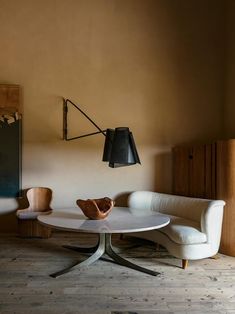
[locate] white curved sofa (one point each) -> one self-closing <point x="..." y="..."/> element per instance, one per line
<point x="194" y="231"/>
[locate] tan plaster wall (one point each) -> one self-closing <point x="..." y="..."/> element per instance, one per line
<point x="154" y="66"/>
<point x="229" y="104"/>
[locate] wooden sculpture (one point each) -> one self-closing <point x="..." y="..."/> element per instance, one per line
<point x="96" y="208"/>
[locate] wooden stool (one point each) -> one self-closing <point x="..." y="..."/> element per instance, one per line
<point x="31" y="228"/>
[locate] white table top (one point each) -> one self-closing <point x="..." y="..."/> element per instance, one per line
<point x="120" y="220"/>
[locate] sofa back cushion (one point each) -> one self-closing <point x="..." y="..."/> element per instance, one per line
<point x="185" y="207"/>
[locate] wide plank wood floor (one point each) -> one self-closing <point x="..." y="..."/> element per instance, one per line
<point x="206" y="286"/>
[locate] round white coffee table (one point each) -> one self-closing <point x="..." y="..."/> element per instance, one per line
<point x="120" y="220"/>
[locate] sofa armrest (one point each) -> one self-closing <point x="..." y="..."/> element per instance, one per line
<point x="141" y="200"/>
<point x="211" y="222"/>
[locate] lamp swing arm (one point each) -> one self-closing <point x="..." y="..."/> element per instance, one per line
<point x="119" y="146"/>
<point x="65" y="122"/>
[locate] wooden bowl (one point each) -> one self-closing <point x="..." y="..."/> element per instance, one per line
<point x="96" y="208"/>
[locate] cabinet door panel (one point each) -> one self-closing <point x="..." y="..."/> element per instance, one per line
<point x="210" y="171"/>
<point x="194" y="171"/>
<point x="225" y="190"/>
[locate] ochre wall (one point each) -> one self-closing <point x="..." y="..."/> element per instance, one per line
<point x="152" y="65"/>
<point x="229" y="105"/>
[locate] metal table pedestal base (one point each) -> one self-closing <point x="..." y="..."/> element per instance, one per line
<point x="104" y="246"/>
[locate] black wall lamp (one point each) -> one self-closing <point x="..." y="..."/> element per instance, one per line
<point x="119" y="146"/>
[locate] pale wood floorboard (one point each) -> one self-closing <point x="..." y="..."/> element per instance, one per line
<point x="206" y="286"/>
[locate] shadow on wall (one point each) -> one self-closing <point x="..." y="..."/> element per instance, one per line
<point x="162" y="178"/>
<point x="163" y="173"/>
<point x="121" y="199"/>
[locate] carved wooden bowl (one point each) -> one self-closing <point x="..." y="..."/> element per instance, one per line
<point x="96" y="208"/>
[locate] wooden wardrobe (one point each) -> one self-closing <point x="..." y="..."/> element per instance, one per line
<point x="208" y="171"/>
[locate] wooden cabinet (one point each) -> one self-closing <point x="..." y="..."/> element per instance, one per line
<point x="225" y="189"/>
<point x="208" y="171"/>
<point x="194" y="171"/>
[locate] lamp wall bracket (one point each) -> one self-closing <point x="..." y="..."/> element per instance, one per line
<point x="65" y="122"/>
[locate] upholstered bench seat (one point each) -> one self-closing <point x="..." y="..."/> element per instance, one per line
<point x="26" y="214"/>
<point x="184" y="231"/>
<point x="194" y="231"/>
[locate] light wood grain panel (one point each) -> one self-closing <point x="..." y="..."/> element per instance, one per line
<point x="211" y="175"/>
<point x="226" y="191"/>
<point x="210" y="171"/>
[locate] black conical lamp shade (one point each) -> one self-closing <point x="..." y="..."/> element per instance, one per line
<point x="119" y="148"/>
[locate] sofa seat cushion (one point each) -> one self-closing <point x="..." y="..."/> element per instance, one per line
<point x="184" y="231"/>
<point x="26" y="214"/>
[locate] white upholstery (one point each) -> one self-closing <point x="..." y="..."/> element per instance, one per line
<point x="26" y="214"/>
<point x="195" y="228"/>
<point x="184" y="231"/>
